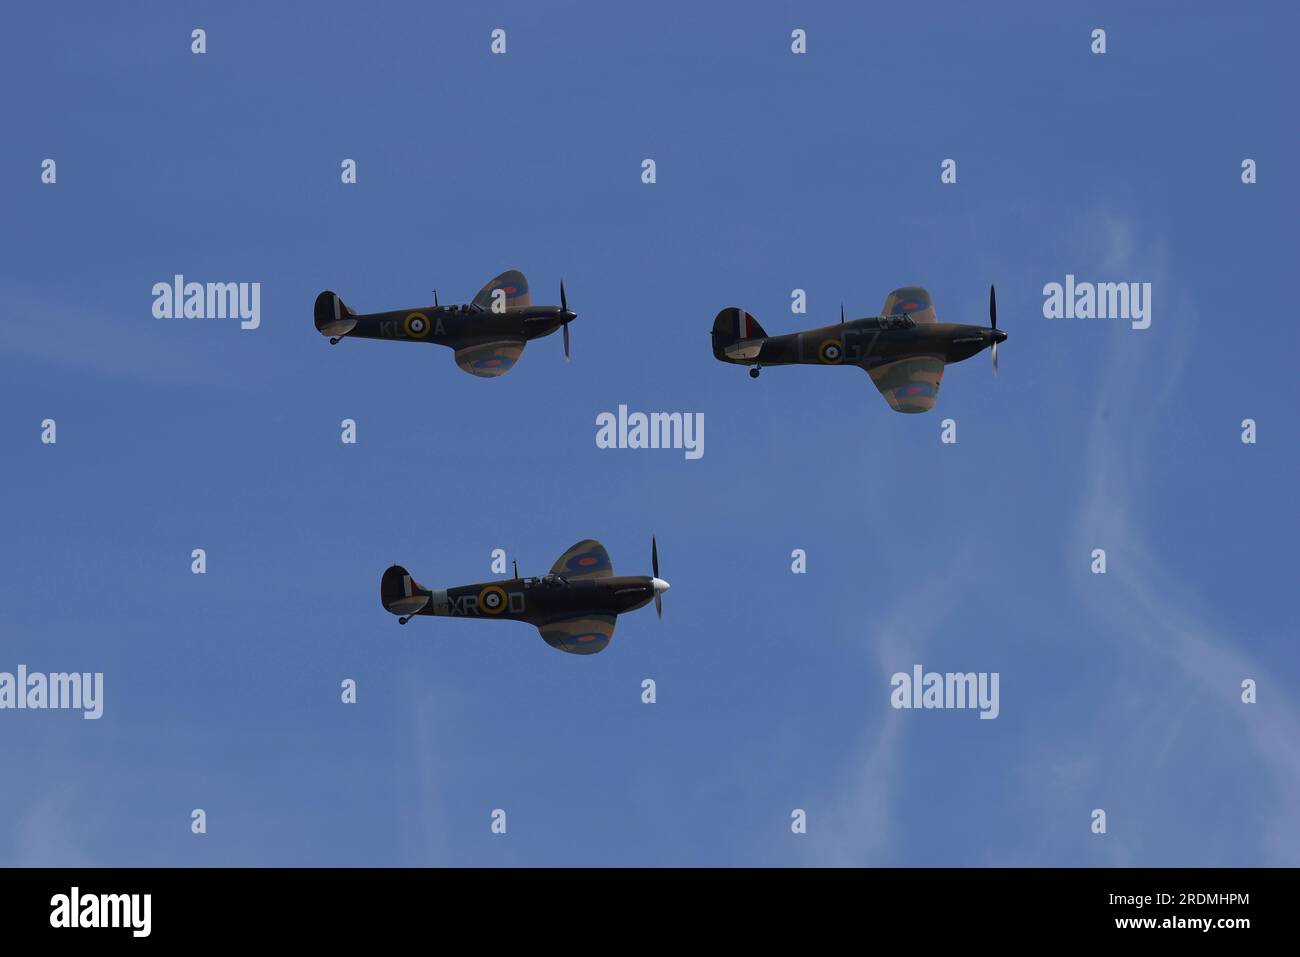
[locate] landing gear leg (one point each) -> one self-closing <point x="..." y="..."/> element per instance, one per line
<point x="753" y="373"/>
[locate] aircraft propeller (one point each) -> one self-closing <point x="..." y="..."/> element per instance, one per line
<point x="564" y="307"/>
<point x="660" y="586"/>
<point x="993" y="321"/>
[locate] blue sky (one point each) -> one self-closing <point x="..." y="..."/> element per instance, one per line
<point x="775" y="172"/>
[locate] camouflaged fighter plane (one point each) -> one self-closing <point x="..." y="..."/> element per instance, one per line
<point x="904" y="349"/>
<point x="488" y="334"/>
<point x="574" y="607"/>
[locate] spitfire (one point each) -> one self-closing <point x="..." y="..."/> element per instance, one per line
<point x="574" y="607"/>
<point x="487" y="334"/>
<point x="904" y="349"/>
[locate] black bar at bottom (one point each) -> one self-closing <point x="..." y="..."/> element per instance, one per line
<point x="562" y="906"/>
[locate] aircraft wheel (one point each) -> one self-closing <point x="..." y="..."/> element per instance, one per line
<point x="753" y="373"/>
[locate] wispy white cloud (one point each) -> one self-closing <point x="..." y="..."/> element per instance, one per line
<point x="852" y="826"/>
<point x="424" y="816"/>
<point x="51" y="326"/>
<point x="1157" y="626"/>
<point x="1160" y="620"/>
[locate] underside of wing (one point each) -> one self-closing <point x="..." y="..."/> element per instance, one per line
<point x="587" y="559"/>
<point x="909" y="385"/>
<point x="512" y="285"/>
<point x="911" y="301"/>
<point x="490" y="359"/>
<point x="584" y="635"/>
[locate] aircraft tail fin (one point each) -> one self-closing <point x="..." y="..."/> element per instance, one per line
<point x="400" y="593"/>
<point x="737" y="336"/>
<point x="333" y="317"/>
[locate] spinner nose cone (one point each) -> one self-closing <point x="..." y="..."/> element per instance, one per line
<point x="567" y="315"/>
<point x="660" y="586"/>
<point x="999" y="335"/>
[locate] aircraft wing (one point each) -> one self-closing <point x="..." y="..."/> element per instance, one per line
<point x="909" y="385"/>
<point x="490" y="359"/>
<point x="583" y="635"/>
<point x="512" y="283"/>
<point x="911" y="301"/>
<point x="587" y="559"/>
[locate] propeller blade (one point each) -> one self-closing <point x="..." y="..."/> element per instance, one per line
<point x="993" y="308"/>
<point x="841" y="314"/>
<point x="564" y="302"/>
<point x="566" y="343"/>
<point x="659" y="586"/>
<point x="995" y="358"/>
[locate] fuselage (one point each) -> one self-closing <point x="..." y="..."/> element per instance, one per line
<point x="453" y="325"/>
<point x="538" y="600"/>
<point x="866" y="343"/>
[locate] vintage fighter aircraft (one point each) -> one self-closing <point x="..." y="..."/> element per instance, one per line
<point x="488" y="334"/>
<point x="904" y="349"/>
<point x="574" y="607"/>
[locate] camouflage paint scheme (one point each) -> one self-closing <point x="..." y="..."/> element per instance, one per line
<point x="904" y="349"/>
<point x="574" y="607"/>
<point x="487" y="343"/>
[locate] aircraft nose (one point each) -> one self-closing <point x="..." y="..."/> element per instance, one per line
<point x="660" y="586"/>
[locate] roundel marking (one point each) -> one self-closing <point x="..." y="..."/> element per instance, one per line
<point x="585" y="643"/>
<point x="914" y="389"/>
<point x="416" y="325"/>
<point x="586" y="562"/>
<point x="831" y="351"/>
<point x="492" y="600"/>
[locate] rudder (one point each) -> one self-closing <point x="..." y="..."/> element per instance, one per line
<point x="730" y="326"/>
<point x="400" y="593"/>
<point x="333" y="317"/>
